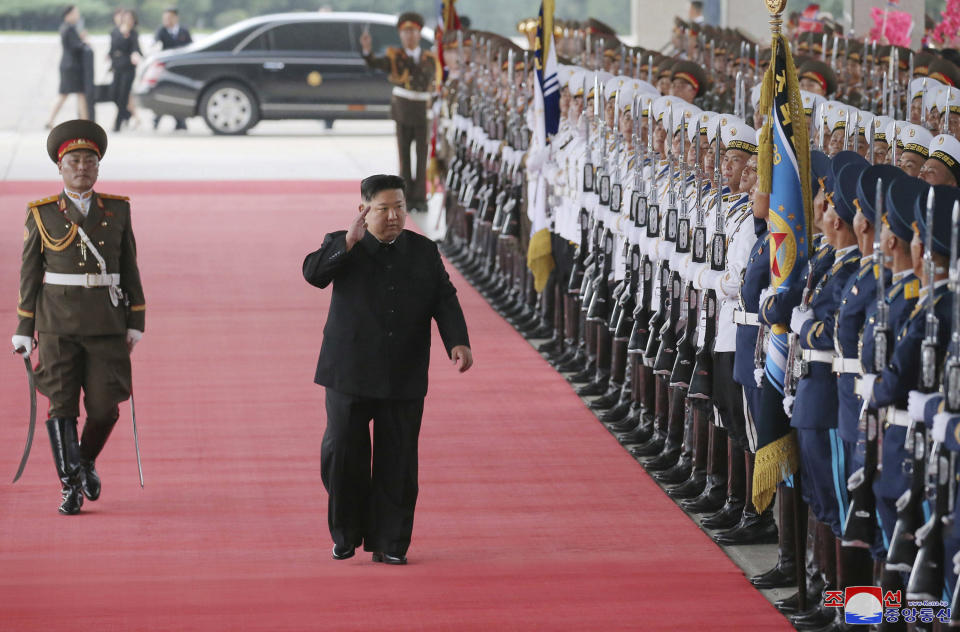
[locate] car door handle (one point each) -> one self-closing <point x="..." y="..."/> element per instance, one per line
<point x="273" y="65"/>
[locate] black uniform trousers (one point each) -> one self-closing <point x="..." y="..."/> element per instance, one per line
<point x="373" y="506"/>
<point x="413" y="134"/>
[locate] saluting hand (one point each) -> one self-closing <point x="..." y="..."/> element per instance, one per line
<point x="358" y="228"/>
<point x="462" y="357"/>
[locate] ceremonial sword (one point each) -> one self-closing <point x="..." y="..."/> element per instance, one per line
<point x="136" y="440"/>
<point x="31" y="382"/>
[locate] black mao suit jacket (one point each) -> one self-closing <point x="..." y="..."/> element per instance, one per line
<point x="376" y="342"/>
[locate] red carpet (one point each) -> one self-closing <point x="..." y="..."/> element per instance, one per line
<point x="530" y="514"/>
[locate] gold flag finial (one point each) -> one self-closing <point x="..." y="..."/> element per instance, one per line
<point x="776" y="7"/>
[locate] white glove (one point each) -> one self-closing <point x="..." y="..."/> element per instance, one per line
<point x="765" y="294"/>
<point x="788" y="405"/>
<point x="864" y="386"/>
<point x="940" y="426"/>
<point x="758" y="377"/>
<point x="799" y="317"/>
<point x="26" y="342"/>
<point x="133" y="337"/>
<point x="917" y="404"/>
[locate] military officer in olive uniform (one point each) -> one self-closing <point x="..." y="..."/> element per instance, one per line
<point x="81" y="297"/>
<point x="414" y="74"/>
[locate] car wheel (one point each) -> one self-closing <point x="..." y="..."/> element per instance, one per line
<point x="328" y="123"/>
<point x="229" y="108"/>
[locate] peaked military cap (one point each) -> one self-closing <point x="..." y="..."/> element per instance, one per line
<point x="821" y="73"/>
<point x="73" y="135"/>
<point x="692" y="73"/>
<point x="946" y="149"/>
<point x="944" y="198"/>
<point x="901" y="196"/>
<point x="867" y="187"/>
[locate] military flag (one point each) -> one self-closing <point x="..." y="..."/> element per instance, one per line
<point x="547" y="110"/>
<point x="784" y="168"/>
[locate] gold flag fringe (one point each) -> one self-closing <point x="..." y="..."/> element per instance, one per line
<point x="774" y="463"/>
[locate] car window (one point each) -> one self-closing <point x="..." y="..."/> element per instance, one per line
<point x="260" y="42"/>
<point x="229" y="42"/>
<point x="321" y="37"/>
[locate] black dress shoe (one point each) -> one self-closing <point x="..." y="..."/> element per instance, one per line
<point x="791" y="605"/>
<point x="663" y="461"/>
<point x="342" y="552"/>
<point x="621" y="412"/>
<point x="639" y="435"/>
<point x="678" y="473"/>
<point x="689" y="489"/>
<point x="550" y="346"/>
<point x="726" y="518"/>
<point x="815" y="618"/>
<point x="89" y="480"/>
<point x="652" y="447"/>
<point x="389" y="558"/>
<point x="710" y="501"/>
<point x="759" y="530"/>
<point x="586" y="375"/>
<point x="592" y="388"/>
<point x="608" y="400"/>
<point x="780" y="576"/>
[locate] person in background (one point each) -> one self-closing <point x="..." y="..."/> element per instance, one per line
<point x="74" y="40"/>
<point x="124" y="57"/>
<point x="172" y="35"/>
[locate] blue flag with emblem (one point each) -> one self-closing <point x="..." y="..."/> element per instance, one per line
<point x="783" y="169"/>
<point x="548" y="85"/>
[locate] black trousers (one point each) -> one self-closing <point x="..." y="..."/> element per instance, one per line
<point x="728" y="398"/>
<point x="416" y="183"/>
<point x="371" y="505"/>
<point x="122" y="84"/>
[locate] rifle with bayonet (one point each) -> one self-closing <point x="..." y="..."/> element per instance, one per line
<point x="860" y="526"/>
<point x="927" y="577"/>
<point x="903" y="544"/>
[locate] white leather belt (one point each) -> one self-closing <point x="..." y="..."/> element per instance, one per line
<point x="847" y="365"/>
<point x="81" y="280"/>
<point x="817" y="355"/>
<point x="413" y="95"/>
<point x="898" y="417"/>
<point x="746" y="318"/>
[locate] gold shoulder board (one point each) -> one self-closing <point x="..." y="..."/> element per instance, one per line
<point x="911" y="290"/>
<point x="46" y="200"/>
<point x="110" y="196"/>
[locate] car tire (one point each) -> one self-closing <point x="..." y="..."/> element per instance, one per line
<point x="328" y="123"/>
<point x="229" y="108"/>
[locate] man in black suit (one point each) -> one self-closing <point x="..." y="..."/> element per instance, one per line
<point x="172" y="35"/>
<point x="388" y="284"/>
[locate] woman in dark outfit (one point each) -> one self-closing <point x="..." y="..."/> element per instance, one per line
<point x="71" y="64"/>
<point x="124" y="55"/>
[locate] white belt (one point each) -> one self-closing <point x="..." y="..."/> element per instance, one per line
<point x="817" y="355"/>
<point x="81" y="280"/>
<point x="746" y="318"/>
<point x="847" y="365"/>
<point x="413" y="95"/>
<point x="898" y="417"/>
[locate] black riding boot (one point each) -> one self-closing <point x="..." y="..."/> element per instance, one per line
<point x="66" y="456"/>
<point x="94" y="437"/>
<point x="785" y="572"/>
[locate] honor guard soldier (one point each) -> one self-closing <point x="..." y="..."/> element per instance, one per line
<point x="81" y="297"/>
<point x="893" y="478"/>
<point x="414" y="73"/>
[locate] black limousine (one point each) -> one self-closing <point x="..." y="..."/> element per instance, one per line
<point x="280" y="66"/>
